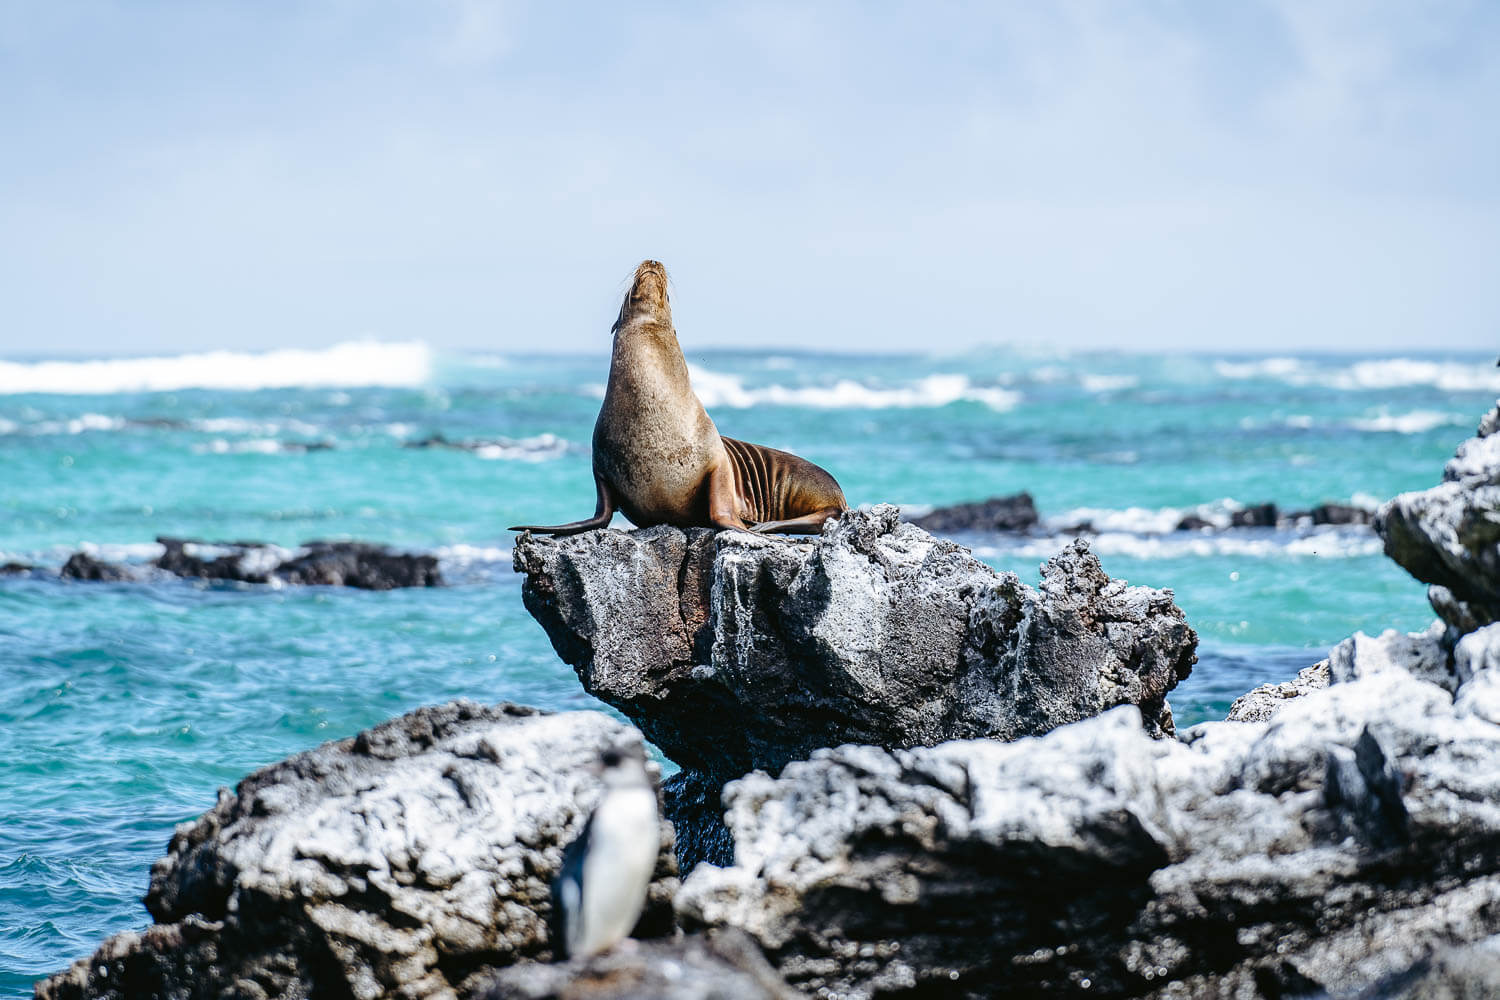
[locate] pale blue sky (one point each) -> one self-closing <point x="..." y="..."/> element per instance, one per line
<point x="1159" y="175"/>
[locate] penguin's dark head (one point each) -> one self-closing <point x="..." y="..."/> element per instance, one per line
<point x="620" y="766"/>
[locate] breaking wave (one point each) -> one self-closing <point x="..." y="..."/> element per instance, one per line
<point x="718" y="389"/>
<point x="1385" y="373"/>
<point x="1326" y="542"/>
<point x="359" y="363"/>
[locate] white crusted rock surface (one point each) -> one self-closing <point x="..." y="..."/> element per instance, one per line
<point x="393" y="864"/>
<point x="1319" y="853"/>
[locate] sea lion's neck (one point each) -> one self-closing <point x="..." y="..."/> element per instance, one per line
<point x="647" y="360"/>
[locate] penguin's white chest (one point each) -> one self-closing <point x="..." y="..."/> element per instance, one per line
<point x="624" y="840"/>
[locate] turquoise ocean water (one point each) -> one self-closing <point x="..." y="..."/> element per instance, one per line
<point x="126" y="705"/>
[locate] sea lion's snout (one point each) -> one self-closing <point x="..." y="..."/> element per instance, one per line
<point x="647" y="299"/>
<point x="650" y="282"/>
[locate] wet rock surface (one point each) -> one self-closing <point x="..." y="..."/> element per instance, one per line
<point x="734" y="651"/>
<point x="397" y="863"/>
<point x="1449" y="536"/>
<point x="1352" y="837"/>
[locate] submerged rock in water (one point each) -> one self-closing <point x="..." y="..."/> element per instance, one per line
<point x="1319" y="853"/>
<point x="733" y="651"/>
<point x="336" y="564"/>
<point x="82" y="566"/>
<point x="396" y="863"/>
<point x="1010" y="513"/>
<point x="1449" y="535"/>
<point x="1260" y="515"/>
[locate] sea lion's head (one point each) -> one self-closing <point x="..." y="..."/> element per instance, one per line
<point x="647" y="301"/>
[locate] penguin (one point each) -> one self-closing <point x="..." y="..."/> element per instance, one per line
<point x="600" y="890"/>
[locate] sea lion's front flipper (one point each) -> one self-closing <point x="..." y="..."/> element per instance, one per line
<point x="723" y="500"/>
<point x="604" y="512"/>
<point x="807" y="524"/>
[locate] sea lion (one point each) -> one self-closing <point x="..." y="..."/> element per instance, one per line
<point x="659" y="459"/>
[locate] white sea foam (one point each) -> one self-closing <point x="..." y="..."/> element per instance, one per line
<point x="1326" y="542"/>
<point x="1386" y="373"/>
<point x="77" y="425"/>
<point x="1107" y="383"/>
<point x="348" y="364"/>
<point x="464" y="554"/>
<point x="253" y="446"/>
<point x="541" y="448"/>
<point x="1136" y="520"/>
<point x="262" y="428"/>
<point x="719" y="389"/>
<point x="8" y="426"/>
<point x="1416" y="422"/>
<point x="117" y="552"/>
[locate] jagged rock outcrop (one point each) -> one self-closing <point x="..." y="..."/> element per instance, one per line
<point x="722" y="965"/>
<point x="1260" y="704"/>
<point x="397" y="863"/>
<point x="1015" y="513"/>
<point x="1449" y="536"/>
<point x="733" y="651"/>
<point x="1320" y="853"/>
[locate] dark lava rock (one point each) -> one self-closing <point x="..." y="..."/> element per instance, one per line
<point x="1315" y="854"/>
<point x="1261" y="515"/>
<point x="693" y="802"/>
<point x="337" y="564"/>
<point x="15" y="569"/>
<point x="1340" y="513"/>
<point x="398" y="863"/>
<point x="82" y="566"/>
<point x="720" y="965"/>
<point x="1012" y="513"/>
<point x="732" y="650"/>
<point x="1449" y="535"/>
<point x="1192" y="522"/>
<point x="357" y="564"/>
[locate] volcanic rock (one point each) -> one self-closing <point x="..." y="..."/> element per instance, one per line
<point x="724" y="965"/>
<point x="1261" y="515"/>
<point x="82" y="566"/>
<point x="1341" y="513"/>
<point x="1449" y="535"/>
<point x="733" y="651"/>
<point x="1260" y="704"/>
<point x="1015" y="513"/>
<point x="396" y="863"/>
<point x="1352" y="837"/>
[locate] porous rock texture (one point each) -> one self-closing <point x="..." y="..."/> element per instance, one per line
<point x="733" y="651"/>
<point x="1449" y="536"/>
<point x="397" y="863"/>
<point x="721" y="965"/>
<point x="1324" y="852"/>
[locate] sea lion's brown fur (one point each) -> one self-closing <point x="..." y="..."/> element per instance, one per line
<point x="658" y="457"/>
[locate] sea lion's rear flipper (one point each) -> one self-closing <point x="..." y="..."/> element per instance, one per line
<point x="604" y="512"/>
<point x="807" y="524"/>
